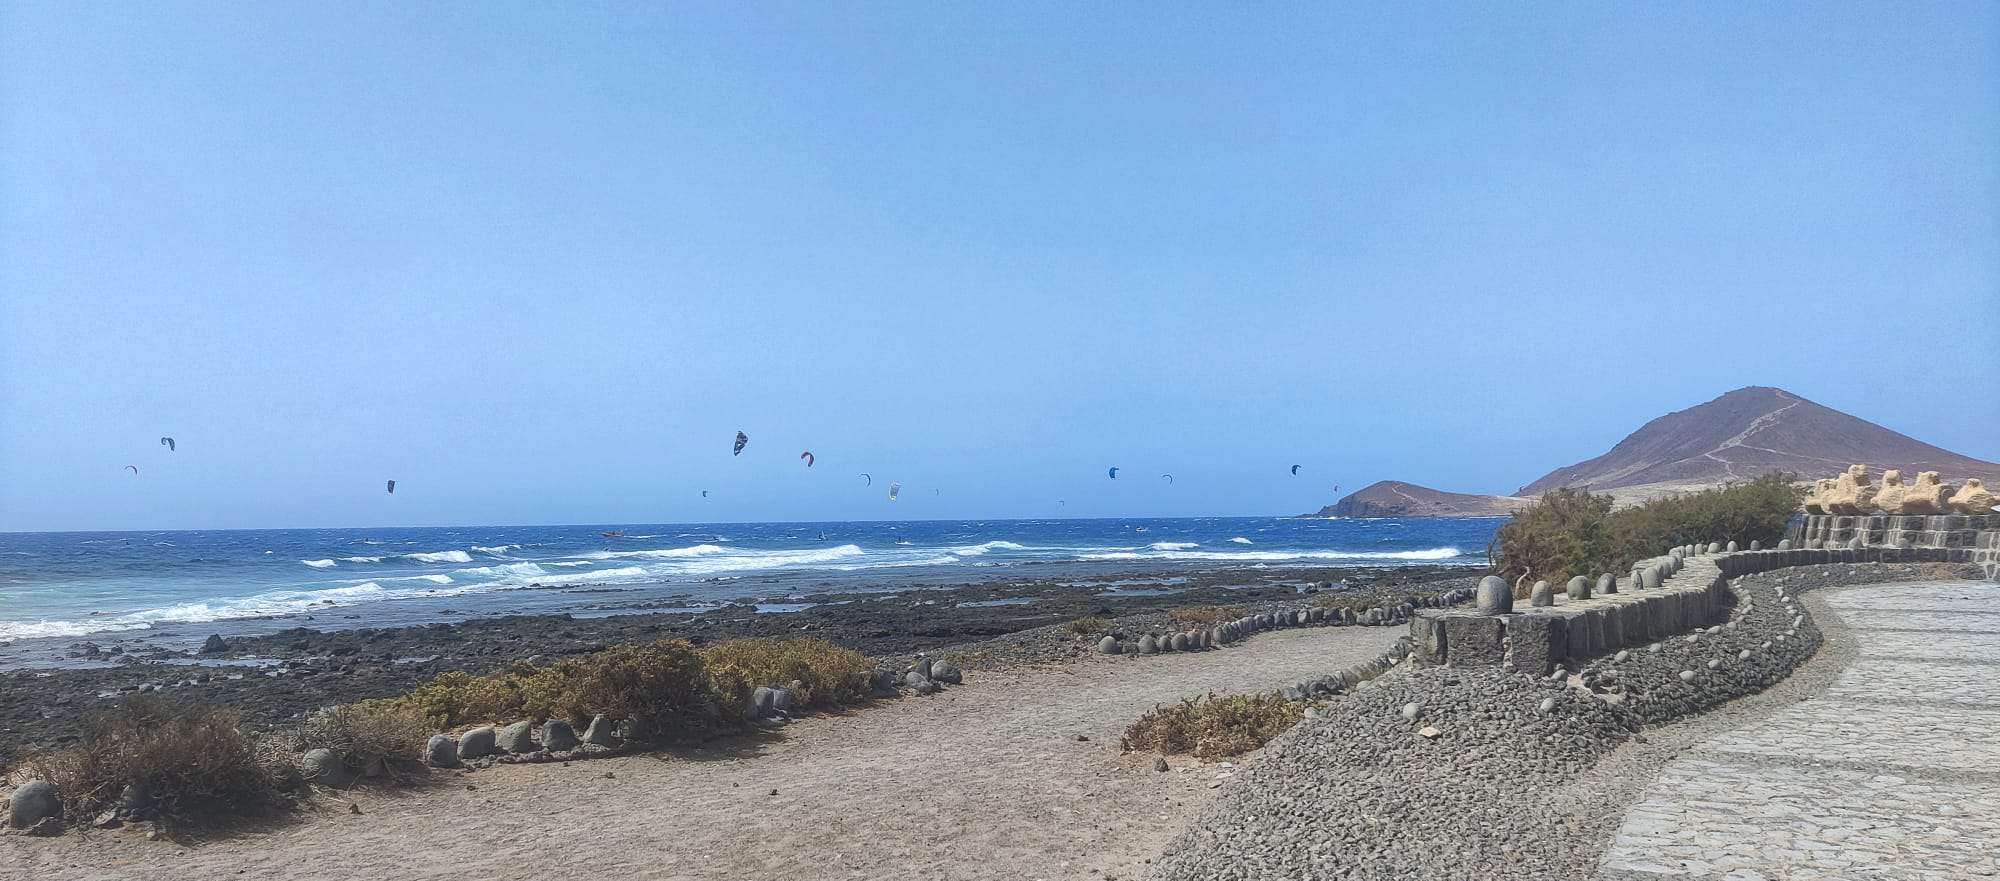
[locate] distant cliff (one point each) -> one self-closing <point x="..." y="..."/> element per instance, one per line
<point x="1394" y="498"/>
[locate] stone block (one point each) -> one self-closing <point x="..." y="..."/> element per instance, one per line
<point x="1474" y="641"/>
<point x="1537" y="643"/>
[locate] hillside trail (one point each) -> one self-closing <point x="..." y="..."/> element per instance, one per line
<point x="991" y="779"/>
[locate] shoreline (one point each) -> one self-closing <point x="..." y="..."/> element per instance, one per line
<point x="273" y="678"/>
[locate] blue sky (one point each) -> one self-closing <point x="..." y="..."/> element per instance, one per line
<point x="539" y="265"/>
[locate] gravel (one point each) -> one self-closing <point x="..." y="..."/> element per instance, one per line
<point x="1496" y="778"/>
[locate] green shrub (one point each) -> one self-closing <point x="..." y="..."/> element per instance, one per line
<point x="1213" y="727"/>
<point x="829" y="675"/>
<point x="1562" y="535"/>
<point x="459" y="698"/>
<point x="388" y="730"/>
<point x="1572" y="532"/>
<point x="1205" y="616"/>
<point x="1091" y="626"/>
<point x="192" y="761"/>
<point x="1756" y="510"/>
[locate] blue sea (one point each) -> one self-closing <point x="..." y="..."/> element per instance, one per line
<point x="176" y="587"/>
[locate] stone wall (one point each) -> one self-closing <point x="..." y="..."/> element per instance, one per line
<point x="1663" y="597"/>
<point x="1971" y="538"/>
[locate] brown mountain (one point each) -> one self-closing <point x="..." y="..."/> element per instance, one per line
<point x="1747" y="432"/>
<point x="1394" y="498"/>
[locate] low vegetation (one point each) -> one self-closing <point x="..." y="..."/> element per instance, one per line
<point x="178" y="763"/>
<point x="1213" y="727"/>
<point x="380" y="733"/>
<point x="1574" y="532"/>
<point x="828" y="674"/>
<point x="669" y="687"/>
<point x="195" y="761"/>
<point x="1341" y="602"/>
<point x="1088" y="626"/>
<point x="1204" y="616"/>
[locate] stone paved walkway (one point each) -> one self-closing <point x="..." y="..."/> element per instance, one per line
<point x="1892" y="773"/>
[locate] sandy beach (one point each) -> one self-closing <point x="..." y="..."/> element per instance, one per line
<point x="993" y="778"/>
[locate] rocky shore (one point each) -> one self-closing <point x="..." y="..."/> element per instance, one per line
<point x="272" y="680"/>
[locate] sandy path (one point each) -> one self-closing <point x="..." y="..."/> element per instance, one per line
<point x="985" y="781"/>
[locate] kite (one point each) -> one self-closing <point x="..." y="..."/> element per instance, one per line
<point x="1169" y="477"/>
<point x="871" y="480"/>
<point x="392" y="487"/>
<point x="894" y="488"/>
<point x="741" y="440"/>
<point x="808" y="456"/>
<point x="1295" y="470"/>
<point x="135" y="470"/>
<point x="1113" y="472"/>
<point x="168" y="443"/>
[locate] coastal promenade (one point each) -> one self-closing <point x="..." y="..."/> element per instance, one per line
<point x="1893" y="772"/>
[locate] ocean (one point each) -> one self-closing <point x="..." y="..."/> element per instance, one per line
<point x="177" y="587"/>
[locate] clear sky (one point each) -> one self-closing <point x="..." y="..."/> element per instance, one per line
<point x="539" y="265"/>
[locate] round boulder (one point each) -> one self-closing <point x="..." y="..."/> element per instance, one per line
<point x="1607" y="583"/>
<point x="914" y="679"/>
<point x="33" y="802"/>
<point x="1147" y="645"/>
<point x="1578" y="588"/>
<point x="764" y="700"/>
<point x="477" y="742"/>
<point x="558" y="735"/>
<point x="946" y="671"/>
<point x="1541" y="595"/>
<point x="518" y="738"/>
<point x="601" y="731"/>
<point x="1495" y="597"/>
<point x="1109" y="645"/>
<point x="324" y="767"/>
<point x="441" y="751"/>
<point x="1731" y="547"/>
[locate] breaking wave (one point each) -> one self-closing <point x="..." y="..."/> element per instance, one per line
<point x="1274" y="556"/>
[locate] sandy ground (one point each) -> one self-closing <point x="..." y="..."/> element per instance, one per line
<point x="987" y="780"/>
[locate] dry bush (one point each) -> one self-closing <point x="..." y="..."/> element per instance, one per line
<point x="830" y="675"/>
<point x="457" y="698"/>
<point x="669" y="687"/>
<point x="1091" y="626"/>
<point x="1204" y="616"/>
<point x="1213" y="727"/>
<point x="390" y="731"/>
<point x="192" y="761"/>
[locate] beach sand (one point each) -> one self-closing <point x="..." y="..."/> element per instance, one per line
<point x="987" y="780"/>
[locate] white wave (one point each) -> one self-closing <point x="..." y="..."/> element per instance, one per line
<point x="1276" y="556"/>
<point x="362" y="559"/>
<point x="319" y="564"/>
<point x="1241" y="540"/>
<point x="267" y="604"/>
<point x="440" y="557"/>
<point x="659" y="554"/>
<point x="621" y="573"/>
<point x="568" y="563"/>
<point x="496" y="551"/>
<point x="511" y="570"/>
<point x="1174" y="545"/>
<point x="981" y="549"/>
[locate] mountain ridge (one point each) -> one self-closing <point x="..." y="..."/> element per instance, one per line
<point x="1736" y="436"/>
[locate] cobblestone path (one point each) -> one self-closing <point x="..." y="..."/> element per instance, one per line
<point x="1892" y="773"/>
